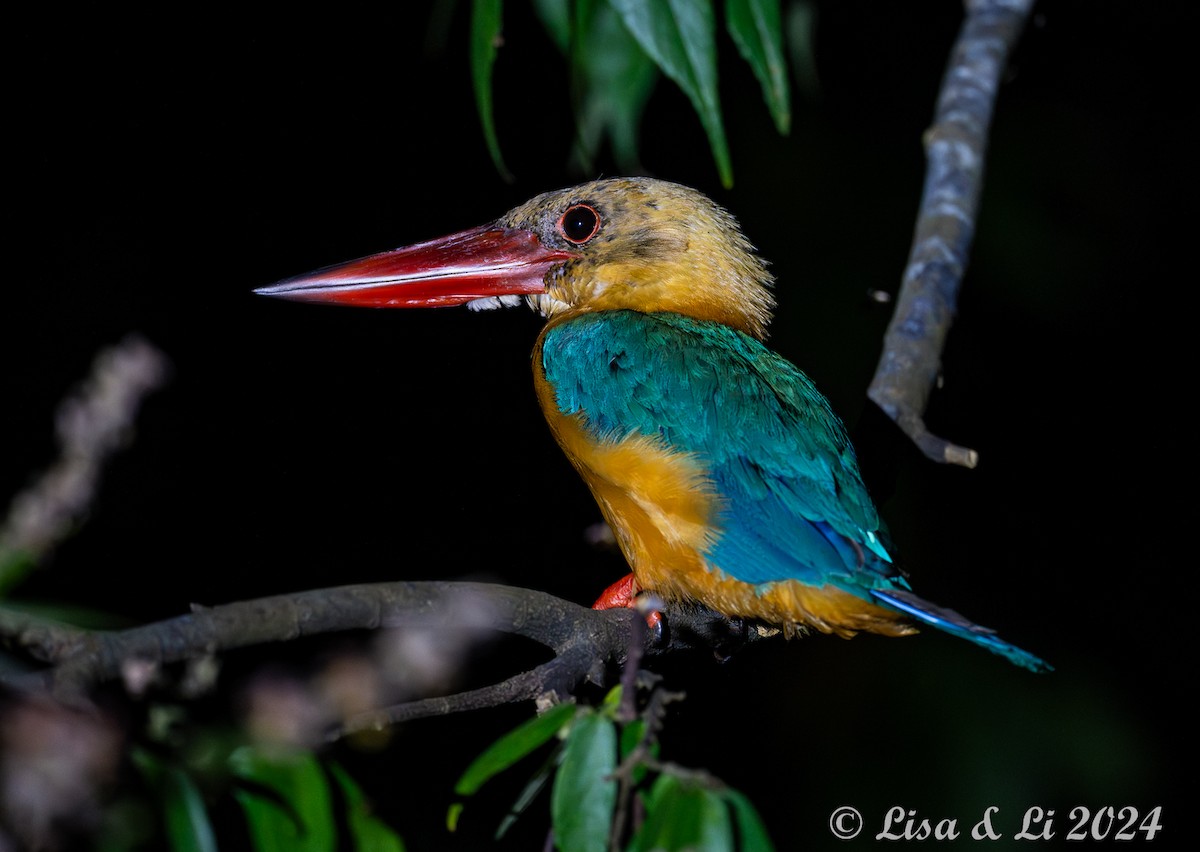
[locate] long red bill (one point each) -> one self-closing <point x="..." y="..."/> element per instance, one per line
<point x="453" y="270"/>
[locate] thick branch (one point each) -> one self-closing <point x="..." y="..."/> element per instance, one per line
<point x="955" y="147"/>
<point x="584" y="641"/>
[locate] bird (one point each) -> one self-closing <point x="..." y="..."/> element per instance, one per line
<point x="724" y="474"/>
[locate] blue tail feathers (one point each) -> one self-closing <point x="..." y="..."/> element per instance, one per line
<point x="953" y="623"/>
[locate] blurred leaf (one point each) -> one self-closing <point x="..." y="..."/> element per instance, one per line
<point x="76" y="615"/>
<point x="613" y="78"/>
<point x="752" y="834"/>
<point x="664" y="805"/>
<point x="714" y="825"/>
<point x="486" y="19"/>
<point x="683" y="815"/>
<point x="186" y="818"/>
<point x="184" y="815"/>
<point x="584" y="794"/>
<point x="555" y="16"/>
<point x="15" y="566"/>
<point x="513" y="746"/>
<point x="757" y="30"/>
<point x="680" y="36"/>
<point x="631" y="735"/>
<point x="301" y="818"/>
<point x="801" y="38"/>
<point x="612" y="702"/>
<point x="368" y="831"/>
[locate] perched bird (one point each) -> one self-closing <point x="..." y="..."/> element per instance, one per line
<point x="723" y="472"/>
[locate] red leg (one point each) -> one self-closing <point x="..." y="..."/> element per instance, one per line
<point x="622" y="594"/>
<point x="619" y="594"/>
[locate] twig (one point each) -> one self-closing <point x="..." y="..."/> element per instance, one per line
<point x="640" y="755"/>
<point x="553" y="679"/>
<point x="955" y="147"/>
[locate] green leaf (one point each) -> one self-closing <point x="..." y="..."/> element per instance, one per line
<point x="667" y="817"/>
<point x="555" y="16"/>
<point x="486" y="19"/>
<point x="714" y="825"/>
<point x="513" y="746"/>
<point x="529" y="792"/>
<point x="584" y="794"/>
<point x="368" y="831"/>
<point x="612" y="78"/>
<point x="184" y="814"/>
<point x="682" y="815"/>
<point x="680" y="36"/>
<point x="299" y="814"/>
<point x="751" y="832"/>
<point x="612" y="702"/>
<point x="757" y="30"/>
<point x="452" y="816"/>
<point x="186" y="818"/>
<point x="631" y="735"/>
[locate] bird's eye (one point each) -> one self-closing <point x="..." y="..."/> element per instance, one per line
<point x="579" y="224"/>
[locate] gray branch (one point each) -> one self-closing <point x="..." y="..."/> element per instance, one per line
<point x="587" y="644"/>
<point x="955" y="147"/>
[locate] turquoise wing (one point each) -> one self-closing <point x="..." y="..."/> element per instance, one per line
<point x="793" y="502"/>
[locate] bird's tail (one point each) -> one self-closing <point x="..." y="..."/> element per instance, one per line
<point x="951" y="622"/>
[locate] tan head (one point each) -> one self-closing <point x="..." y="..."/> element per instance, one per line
<point x="647" y="245"/>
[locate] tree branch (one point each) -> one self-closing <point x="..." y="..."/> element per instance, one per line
<point x="955" y="147"/>
<point x="585" y="642"/>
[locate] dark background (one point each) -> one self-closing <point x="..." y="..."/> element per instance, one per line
<point x="162" y="164"/>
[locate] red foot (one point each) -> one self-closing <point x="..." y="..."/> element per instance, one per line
<point x="623" y="595"/>
<point x="619" y="595"/>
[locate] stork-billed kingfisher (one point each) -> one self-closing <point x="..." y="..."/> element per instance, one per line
<point x="723" y="472"/>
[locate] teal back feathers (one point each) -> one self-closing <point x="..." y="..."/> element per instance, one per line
<point x="792" y="497"/>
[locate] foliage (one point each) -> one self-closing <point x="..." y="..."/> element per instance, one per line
<point x="290" y="800"/>
<point x="603" y="763"/>
<point x="616" y="48"/>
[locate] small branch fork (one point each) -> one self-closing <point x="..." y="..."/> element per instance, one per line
<point x="955" y="147"/>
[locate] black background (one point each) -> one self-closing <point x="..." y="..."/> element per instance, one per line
<point x="162" y="164"/>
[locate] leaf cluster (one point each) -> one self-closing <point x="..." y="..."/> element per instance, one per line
<point x="616" y="50"/>
<point x="604" y="767"/>
<point x="289" y="800"/>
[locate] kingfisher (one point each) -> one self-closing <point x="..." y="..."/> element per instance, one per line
<point x="722" y="471"/>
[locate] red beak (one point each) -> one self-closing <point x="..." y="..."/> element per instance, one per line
<point x="481" y="262"/>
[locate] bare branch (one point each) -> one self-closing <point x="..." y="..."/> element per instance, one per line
<point x="585" y="642"/>
<point x="955" y="147"/>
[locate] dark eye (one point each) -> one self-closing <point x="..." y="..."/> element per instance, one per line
<point x="579" y="224"/>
